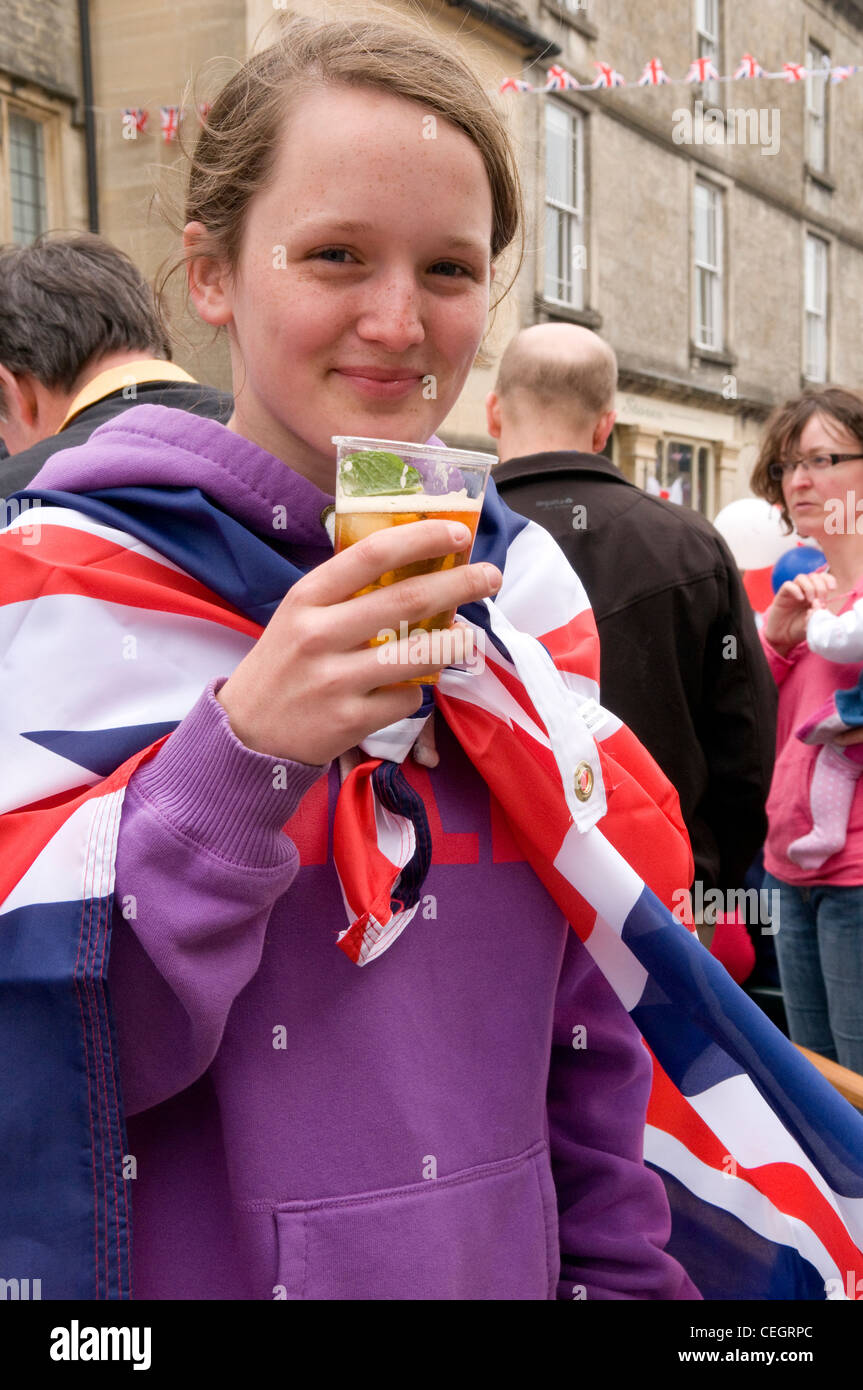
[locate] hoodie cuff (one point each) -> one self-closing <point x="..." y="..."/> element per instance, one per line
<point x="212" y="789"/>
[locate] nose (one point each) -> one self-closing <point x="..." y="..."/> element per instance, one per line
<point x="792" y="479"/>
<point x="392" y="313"/>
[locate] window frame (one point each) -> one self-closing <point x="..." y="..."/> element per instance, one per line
<point x="48" y="117"/>
<point x="817" y="116"/>
<point x="709" y="44"/>
<point x="696" y="503"/>
<point x="40" y="180"/>
<point x="574" y="213"/>
<point x="717" y="270"/>
<point x="817" y="314"/>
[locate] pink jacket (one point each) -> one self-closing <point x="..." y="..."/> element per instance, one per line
<point x="805" y="681"/>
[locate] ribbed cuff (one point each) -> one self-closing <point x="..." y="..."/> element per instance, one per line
<point x="228" y="798"/>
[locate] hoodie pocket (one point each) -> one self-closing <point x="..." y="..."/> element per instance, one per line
<point x="488" y="1232"/>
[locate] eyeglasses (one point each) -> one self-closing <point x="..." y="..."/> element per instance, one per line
<point x="817" y="463"/>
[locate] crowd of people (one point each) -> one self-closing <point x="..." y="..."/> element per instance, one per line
<point x="391" y="246"/>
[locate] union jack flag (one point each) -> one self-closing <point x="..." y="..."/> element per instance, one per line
<point x="559" y="80"/>
<point x="514" y="84"/>
<point x="608" y="76"/>
<point x="203" y="111"/>
<point x="794" y="72"/>
<point x="841" y="74"/>
<point x="749" y="67"/>
<point x="654" y="74"/>
<point x="170" y="122"/>
<point x="762" y="1159"/>
<point x="134" y="121"/>
<point x="701" y="70"/>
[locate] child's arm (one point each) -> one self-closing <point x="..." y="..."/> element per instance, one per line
<point x="837" y="637"/>
<point x="613" y="1212"/>
<point x="201" y="861"/>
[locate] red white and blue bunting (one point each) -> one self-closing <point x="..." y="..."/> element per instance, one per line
<point x="134" y="120"/>
<point x="654" y="75"/>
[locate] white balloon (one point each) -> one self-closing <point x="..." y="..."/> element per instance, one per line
<point x="753" y="530"/>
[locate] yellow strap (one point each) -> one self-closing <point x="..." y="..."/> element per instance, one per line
<point x="115" y="378"/>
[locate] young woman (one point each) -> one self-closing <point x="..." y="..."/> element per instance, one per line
<point x="811" y="465"/>
<point x="464" y="1117"/>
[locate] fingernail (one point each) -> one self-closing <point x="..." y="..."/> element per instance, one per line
<point x="495" y="577"/>
<point x="458" y="532"/>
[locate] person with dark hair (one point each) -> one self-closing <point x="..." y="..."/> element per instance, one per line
<point x="80" y="341"/>
<point x="680" y="661"/>
<point x="811" y="465"/>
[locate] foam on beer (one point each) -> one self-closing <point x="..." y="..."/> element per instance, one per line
<point x="410" y="502"/>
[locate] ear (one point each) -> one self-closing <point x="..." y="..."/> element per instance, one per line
<point x="492" y="414"/>
<point x="604" y="426"/>
<point x="19" y="398"/>
<point x="209" y="278"/>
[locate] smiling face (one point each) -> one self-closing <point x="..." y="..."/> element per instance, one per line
<point x="807" y="493"/>
<point x="362" y="289"/>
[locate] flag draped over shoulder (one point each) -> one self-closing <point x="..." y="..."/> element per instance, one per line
<point x="112" y="619"/>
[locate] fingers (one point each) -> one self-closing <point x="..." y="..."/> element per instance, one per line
<point x="808" y="588"/>
<point x="420" y="653"/>
<point x="402" y="543"/>
<point x="411" y="600"/>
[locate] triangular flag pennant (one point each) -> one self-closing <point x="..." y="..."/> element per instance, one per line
<point x="170" y="122"/>
<point x="559" y="80"/>
<point x="749" y="67"/>
<point x="608" y="76"/>
<point x="654" y="74"/>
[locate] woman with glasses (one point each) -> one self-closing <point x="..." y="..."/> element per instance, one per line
<point x="811" y="465"/>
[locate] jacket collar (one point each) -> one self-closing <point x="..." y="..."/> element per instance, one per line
<point x="117" y="378"/>
<point x="558" y="461"/>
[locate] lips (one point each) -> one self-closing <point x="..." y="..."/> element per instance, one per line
<point x="382" y="373"/>
<point x="381" y="383"/>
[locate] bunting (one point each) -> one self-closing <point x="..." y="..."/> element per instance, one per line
<point x="700" y="70"/>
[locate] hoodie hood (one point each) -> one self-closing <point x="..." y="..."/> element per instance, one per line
<point x="152" y="445"/>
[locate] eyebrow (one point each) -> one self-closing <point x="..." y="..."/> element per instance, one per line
<point x="350" y="225"/>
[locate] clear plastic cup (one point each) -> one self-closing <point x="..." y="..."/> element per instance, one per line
<point x="385" y="482"/>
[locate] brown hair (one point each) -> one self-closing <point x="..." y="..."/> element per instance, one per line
<point x="785" y="427"/>
<point x="238" y="142"/>
<point x="69" y="299"/>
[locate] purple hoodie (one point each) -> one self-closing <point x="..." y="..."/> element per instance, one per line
<point x="461" y="1119"/>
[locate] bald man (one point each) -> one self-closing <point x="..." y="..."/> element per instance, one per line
<point x="681" y="663"/>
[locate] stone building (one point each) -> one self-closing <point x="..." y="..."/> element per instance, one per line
<point x="709" y="231"/>
<point x="725" y="266"/>
<point x="43" y="179"/>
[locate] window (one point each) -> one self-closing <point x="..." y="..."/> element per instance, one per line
<point x="708" y="266"/>
<point x="704" y="481"/>
<point x="27" y="178"/>
<point x="707" y="36"/>
<point x="817" y="59"/>
<point x="684" y="473"/>
<point x="815" y="301"/>
<point x="565" y="252"/>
